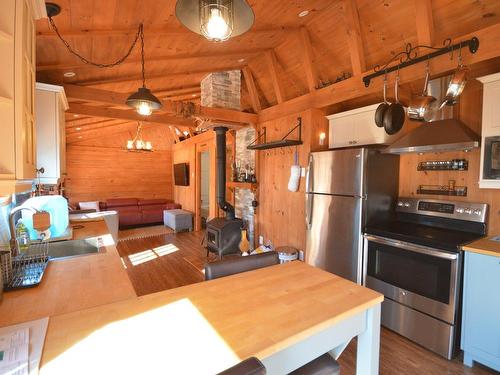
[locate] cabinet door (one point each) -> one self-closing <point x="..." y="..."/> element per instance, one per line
<point x="366" y="132"/>
<point x="341" y="132"/>
<point x="481" y="328"/>
<point x="491" y="109"/>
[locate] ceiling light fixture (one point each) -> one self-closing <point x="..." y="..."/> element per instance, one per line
<point x="241" y="60"/>
<point x="303" y="13"/>
<point x="216" y="20"/>
<point x="77" y="129"/>
<point x="69" y="74"/>
<point x="143" y="101"/>
<point x="137" y="144"/>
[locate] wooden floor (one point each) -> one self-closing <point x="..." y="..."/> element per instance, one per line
<point x="172" y="260"/>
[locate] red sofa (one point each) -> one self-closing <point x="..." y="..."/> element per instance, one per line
<point x="134" y="212"/>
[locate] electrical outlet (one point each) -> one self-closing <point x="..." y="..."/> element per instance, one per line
<point x="301" y="255"/>
<point x="302" y="172"/>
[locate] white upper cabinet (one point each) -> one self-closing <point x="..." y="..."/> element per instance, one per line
<point x="356" y="128"/>
<point x="490" y="133"/>
<point x="17" y="94"/>
<point x="50" y="128"/>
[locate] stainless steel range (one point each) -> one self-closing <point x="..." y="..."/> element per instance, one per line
<point x="416" y="262"/>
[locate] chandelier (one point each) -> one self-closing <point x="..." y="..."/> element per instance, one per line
<point x="216" y="20"/>
<point x="137" y="144"/>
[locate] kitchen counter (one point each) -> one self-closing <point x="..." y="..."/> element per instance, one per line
<point x="72" y="284"/>
<point x="484" y="246"/>
<point x="206" y="327"/>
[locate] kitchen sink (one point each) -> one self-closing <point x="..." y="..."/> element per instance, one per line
<point x="72" y="248"/>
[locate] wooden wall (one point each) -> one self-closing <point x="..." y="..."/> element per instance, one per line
<point x="101" y="168"/>
<point x="470" y="112"/>
<point x="281" y="213"/>
<point x="188" y="152"/>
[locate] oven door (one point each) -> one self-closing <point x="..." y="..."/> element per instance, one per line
<point x="419" y="277"/>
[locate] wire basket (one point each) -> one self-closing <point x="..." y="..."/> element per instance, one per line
<point x="28" y="267"/>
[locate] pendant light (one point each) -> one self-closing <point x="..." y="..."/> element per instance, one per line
<point x="143" y="101"/>
<point x="137" y="144"/>
<point x="216" y="20"/>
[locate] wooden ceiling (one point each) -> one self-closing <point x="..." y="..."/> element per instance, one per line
<point x="283" y="56"/>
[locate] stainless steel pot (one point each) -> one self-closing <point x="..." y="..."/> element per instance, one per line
<point x="421" y="104"/>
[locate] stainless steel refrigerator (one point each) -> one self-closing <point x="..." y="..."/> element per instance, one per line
<point x="345" y="189"/>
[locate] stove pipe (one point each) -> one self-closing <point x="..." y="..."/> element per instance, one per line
<point x="220" y="138"/>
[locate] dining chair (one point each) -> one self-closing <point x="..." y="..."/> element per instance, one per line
<point x="323" y="365"/>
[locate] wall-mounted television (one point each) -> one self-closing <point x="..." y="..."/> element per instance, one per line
<point x="181" y="174"/>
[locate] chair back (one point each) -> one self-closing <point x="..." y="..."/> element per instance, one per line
<point x="232" y="266"/>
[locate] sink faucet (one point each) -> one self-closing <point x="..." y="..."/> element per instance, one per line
<point x="13" y="240"/>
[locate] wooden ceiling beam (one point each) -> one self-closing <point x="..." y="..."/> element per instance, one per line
<point x="355" y="40"/>
<point x="227" y="55"/>
<point x="112" y="98"/>
<point x="252" y="89"/>
<point x="307" y="56"/>
<point x="127" y="115"/>
<point x="170" y="92"/>
<point x="150" y="77"/>
<point x="424" y="22"/>
<point x="70" y="126"/>
<point x="354" y="87"/>
<point x="185" y="97"/>
<point x="272" y="64"/>
<point x="93" y="130"/>
<point x="152" y="31"/>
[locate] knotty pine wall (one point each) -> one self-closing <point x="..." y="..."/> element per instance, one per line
<point x="101" y="168"/>
<point x="470" y="112"/>
<point x="281" y="213"/>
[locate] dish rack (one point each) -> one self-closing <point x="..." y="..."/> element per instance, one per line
<point x="26" y="269"/>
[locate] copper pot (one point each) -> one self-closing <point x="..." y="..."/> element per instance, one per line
<point x="457" y="85"/>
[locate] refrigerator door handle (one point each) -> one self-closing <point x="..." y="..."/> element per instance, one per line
<point x="309" y="208"/>
<point x="309" y="175"/>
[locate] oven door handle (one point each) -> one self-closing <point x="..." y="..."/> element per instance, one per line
<point x="411" y="247"/>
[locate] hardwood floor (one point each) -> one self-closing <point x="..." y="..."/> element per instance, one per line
<point x="172" y="260"/>
<point x="163" y="262"/>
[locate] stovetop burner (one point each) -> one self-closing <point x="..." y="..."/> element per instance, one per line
<point x="438" y="224"/>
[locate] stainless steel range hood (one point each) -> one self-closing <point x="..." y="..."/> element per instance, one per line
<point x="444" y="133"/>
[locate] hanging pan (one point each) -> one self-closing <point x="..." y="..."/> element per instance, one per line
<point x="394" y="116"/>
<point x="379" y="113"/>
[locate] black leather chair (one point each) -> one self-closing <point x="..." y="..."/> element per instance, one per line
<point x="232" y="266"/>
<point x="323" y="365"/>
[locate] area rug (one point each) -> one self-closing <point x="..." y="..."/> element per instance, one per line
<point x="143" y="232"/>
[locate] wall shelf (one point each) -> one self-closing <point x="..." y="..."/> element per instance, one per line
<point x="283" y="142"/>
<point x="242" y="185"/>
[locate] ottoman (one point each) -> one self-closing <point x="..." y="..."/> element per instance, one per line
<point x="178" y="220"/>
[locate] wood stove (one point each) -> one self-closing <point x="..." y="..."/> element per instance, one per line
<point x="223" y="234"/>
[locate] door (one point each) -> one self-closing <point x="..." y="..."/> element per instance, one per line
<point x="338" y="172"/>
<point x="334" y="234"/>
<point x="205" y="206"/>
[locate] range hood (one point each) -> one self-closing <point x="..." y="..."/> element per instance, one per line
<point x="443" y="133"/>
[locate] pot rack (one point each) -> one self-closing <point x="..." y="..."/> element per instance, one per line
<point x="283" y="142"/>
<point x="410" y="56"/>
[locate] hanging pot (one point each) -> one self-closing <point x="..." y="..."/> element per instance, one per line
<point x="379" y="113"/>
<point x="394" y="116"/>
<point x="456" y="86"/>
<point x="421" y="104"/>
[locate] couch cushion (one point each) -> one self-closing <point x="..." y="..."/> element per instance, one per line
<point x="121" y="202"/>
<point x="129" y="218"/>
<point x="149" y="202"/>
<point x="154" y="215"/>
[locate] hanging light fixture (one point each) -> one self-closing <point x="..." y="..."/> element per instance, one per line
<point x="216" y="20"/>
<point x="137" y="144"/>
<point x="143" y="101"/>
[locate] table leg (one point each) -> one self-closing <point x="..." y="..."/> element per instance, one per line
<point x="367" y="358"/>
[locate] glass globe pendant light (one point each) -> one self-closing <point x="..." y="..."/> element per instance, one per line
<point x="216" y="20"/>
<point x="143" y="101"/>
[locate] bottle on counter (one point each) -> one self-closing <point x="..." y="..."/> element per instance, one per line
<point x="22" y="236"/>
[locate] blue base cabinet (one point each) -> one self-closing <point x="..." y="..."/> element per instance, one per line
<point x="481" y="310"/>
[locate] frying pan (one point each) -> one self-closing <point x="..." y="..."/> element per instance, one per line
<point x="379" y="113"/>
<point x="394" y="116"/>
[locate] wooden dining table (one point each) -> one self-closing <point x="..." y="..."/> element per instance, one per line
<point x="286" y="315"/>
